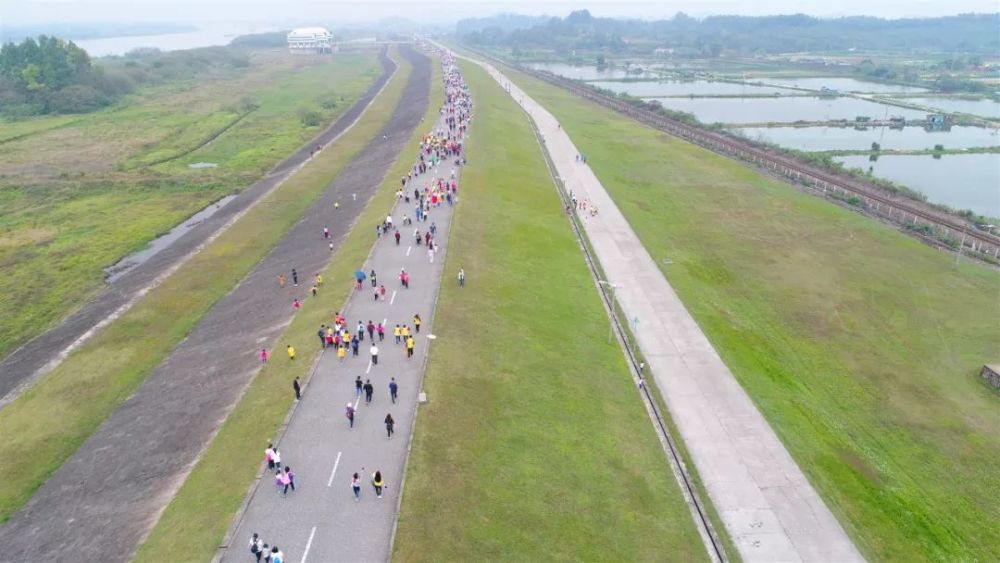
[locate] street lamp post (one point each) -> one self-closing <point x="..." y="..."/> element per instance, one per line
<point x="611" y="326"/>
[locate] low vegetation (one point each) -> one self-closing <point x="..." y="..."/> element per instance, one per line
<point x="861" y="346"/>
<point x="534" y="445"/>
<point x="52" y="419"/>
<point x="77" y="193"/>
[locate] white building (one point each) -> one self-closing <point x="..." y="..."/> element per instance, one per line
<point x="308" y="40"/>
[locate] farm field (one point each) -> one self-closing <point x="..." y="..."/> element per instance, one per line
<point x="860" y="345"/>
<point x="534" y="445"/>
<point x="92" y="382"/>
<point x="77" y="193"/>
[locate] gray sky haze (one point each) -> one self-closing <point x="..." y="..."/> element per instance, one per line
<point x="282" y="12"/>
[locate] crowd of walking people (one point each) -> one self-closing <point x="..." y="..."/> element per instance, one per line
<point x="423" y="190"/>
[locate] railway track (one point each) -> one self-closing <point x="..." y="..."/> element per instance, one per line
<point x="903" y="212"/>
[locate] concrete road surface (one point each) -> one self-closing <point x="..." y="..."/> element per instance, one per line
<point x="321" y="520"/>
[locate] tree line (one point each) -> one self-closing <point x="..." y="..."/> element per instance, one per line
<point x="969" y="33"/>
<point x="50" y="75"/>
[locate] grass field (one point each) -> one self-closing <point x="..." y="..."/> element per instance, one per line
<point x="534" y="445"/>
<point x="75" y="198"/>
<point x="203" y="508"/>
<point x="48" y="422"/>
<point x="860" y="345"/>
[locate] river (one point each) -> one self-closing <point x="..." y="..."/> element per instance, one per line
<point x="205" y="37"/>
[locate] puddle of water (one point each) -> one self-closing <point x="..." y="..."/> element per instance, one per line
<point x="203" y="165"/>
<point x="126" y="264"/>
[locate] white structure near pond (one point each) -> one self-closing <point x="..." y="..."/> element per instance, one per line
<point x="310" y="40"/>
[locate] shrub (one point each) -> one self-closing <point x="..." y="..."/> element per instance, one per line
<point x="76" y="99"/>
<point x="310" y="118"/>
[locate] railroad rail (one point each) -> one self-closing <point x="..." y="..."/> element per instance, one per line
<point x="903" y="212"/>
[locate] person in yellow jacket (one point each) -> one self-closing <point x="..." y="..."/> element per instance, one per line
<point x="341" y="352"/>
<point x="416" y="323"/>
<point x="406" y="332"/>
<point x="409" y="347"/>
<point x="398" y="333"/>
<point x="291" y="352"/>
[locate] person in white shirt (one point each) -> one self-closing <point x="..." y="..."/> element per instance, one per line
<point x="256" y="546"/>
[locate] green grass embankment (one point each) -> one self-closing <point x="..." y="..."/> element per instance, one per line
<point x="69" y="208"/>
<point x="534" y="445"/>
<point x="51" y="420"/>
<point x="203" y="508"/>
<point x="861" y="346"/>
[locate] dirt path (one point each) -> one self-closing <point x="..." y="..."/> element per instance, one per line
<point x="102" y="501"/>
<point x="22" y="367"/>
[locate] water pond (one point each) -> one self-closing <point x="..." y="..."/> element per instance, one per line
<point x="849" y="138"/>
<point x="962" y="181"/>
<point x="587" y="72"/>
<point x="784" y="110"/>
<point x="842" y="84"/>
<point x="982" y="108"/>
<point x="688" y="88"/>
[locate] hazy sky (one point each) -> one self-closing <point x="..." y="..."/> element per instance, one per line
<point x="277" y="12"/>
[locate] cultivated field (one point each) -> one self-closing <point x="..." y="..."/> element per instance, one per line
<point x="860" y="345"/>
<point x="77" y="193"/>
<point x="534" y="445"/>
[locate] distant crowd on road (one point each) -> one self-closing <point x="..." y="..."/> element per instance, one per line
<point x="423" y="189"/>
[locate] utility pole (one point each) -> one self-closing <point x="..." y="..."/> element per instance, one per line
<point x="611" y="326"/>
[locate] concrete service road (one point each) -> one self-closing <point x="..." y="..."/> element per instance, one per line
<point x="321" y="521"/>
<point x="769" y="508"/>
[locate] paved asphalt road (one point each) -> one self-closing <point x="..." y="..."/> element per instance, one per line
<point x="320" y="447"/>
<point x="26" y="364"/>
<point x="99" y="504"/>
<point x="768" y="506"/>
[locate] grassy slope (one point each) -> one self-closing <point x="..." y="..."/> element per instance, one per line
<point x="534" y="445"/>
<point x="57" y="233"/>
<point x="203" y="508"/>
<point x="49" y="421"/>
<point x="860" y="345"/>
